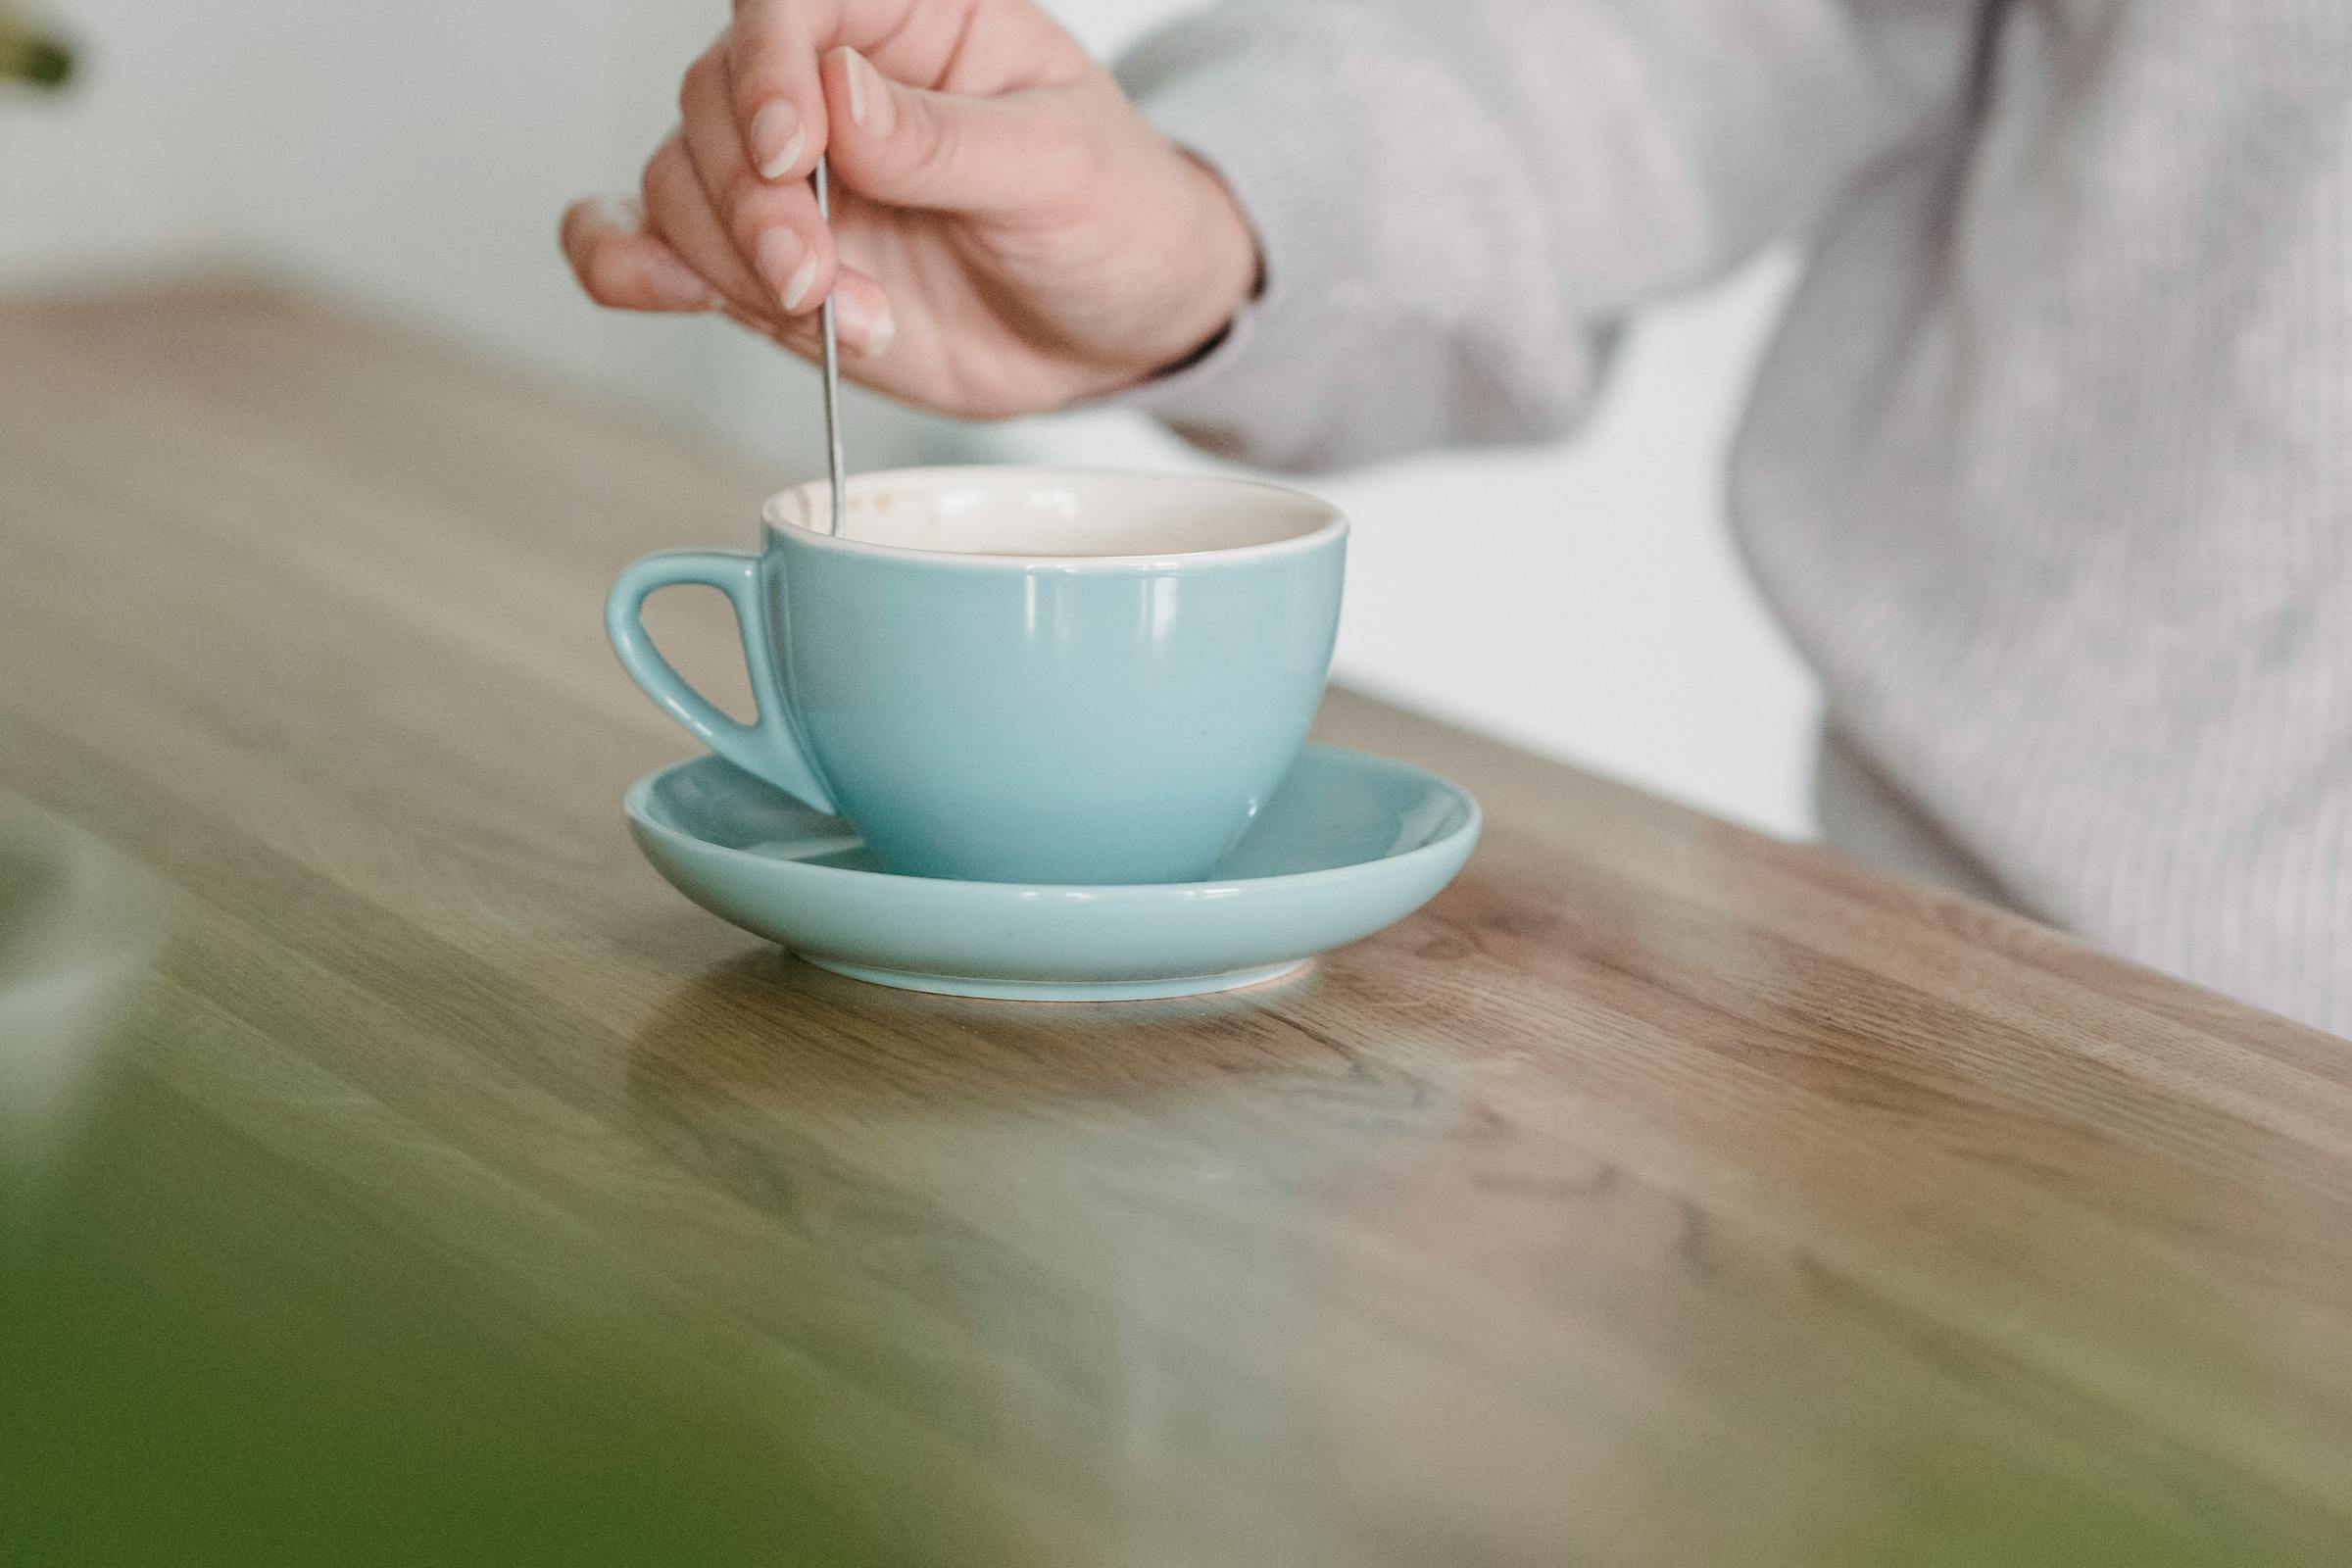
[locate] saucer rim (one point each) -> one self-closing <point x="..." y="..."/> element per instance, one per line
<point x="634" y="805"/>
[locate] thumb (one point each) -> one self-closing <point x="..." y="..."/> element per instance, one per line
<point x="908" y="147"/>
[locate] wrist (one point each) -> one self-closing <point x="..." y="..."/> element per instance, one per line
<point x="1219" y="271"/>
<point x="1233" y="268"/>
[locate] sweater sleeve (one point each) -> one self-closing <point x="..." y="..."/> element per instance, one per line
<point x="1459" y="201"/>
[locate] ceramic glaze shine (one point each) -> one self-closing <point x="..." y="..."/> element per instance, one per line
<point x="1114" y="704"/>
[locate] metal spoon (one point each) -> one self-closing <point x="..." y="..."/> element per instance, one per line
<point x="837" y="467"/>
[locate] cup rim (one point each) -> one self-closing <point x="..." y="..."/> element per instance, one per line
<point x="1334" y="526"/>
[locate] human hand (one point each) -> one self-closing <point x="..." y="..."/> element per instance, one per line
<point x="1010" y="234"/>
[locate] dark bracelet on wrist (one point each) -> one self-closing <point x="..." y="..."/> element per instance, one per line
<point x="1216" y="340"/>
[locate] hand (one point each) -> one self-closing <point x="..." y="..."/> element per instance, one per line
<point x="1009" y="235"/>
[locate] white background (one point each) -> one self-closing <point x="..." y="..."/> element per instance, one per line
<point x="413" y="158"/>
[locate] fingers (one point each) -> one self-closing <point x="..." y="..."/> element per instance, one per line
<point x="679" y="213"/>
<point x="773" y="100"/>
<point x="678" y="210"/>
<point x="910" y="147"/>
<point x="779" y="105"/>
<point x="624" y="267"/>
<point x="775" y="228"/>
<point x="863" y="322"/>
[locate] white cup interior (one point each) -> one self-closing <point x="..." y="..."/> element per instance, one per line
<point x="1060" y="513"/>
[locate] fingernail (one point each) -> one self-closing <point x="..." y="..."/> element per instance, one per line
<point x="869" y="101"/>
<point x="867" y="332"/>
<point x="777" y="137"/>
<point x="677" y="283"/>
<point x="623" y="213"/>
<point x="787" y="264"/>
<point x="797" y="288"/>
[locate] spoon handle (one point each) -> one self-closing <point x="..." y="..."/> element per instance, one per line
<point x="837" y="468"/>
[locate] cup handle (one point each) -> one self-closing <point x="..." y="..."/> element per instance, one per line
<point x="767" y="747"/>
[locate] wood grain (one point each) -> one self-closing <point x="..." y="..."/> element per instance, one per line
<point x="453" y="1192"/>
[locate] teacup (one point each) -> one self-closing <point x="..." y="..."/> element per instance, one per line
<point x="1022" y="674"/>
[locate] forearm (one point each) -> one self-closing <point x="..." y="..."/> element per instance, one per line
<point x="1460" y="202"/>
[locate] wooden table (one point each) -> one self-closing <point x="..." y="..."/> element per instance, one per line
<point x="454" y="1191"/>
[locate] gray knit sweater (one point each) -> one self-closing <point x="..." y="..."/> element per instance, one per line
<point x="2049" y="472"/>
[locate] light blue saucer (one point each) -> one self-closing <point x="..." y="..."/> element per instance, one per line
<point x="1349" y="844"/>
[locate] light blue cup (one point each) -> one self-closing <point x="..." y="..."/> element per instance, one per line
<point x="1022" y="674"/>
